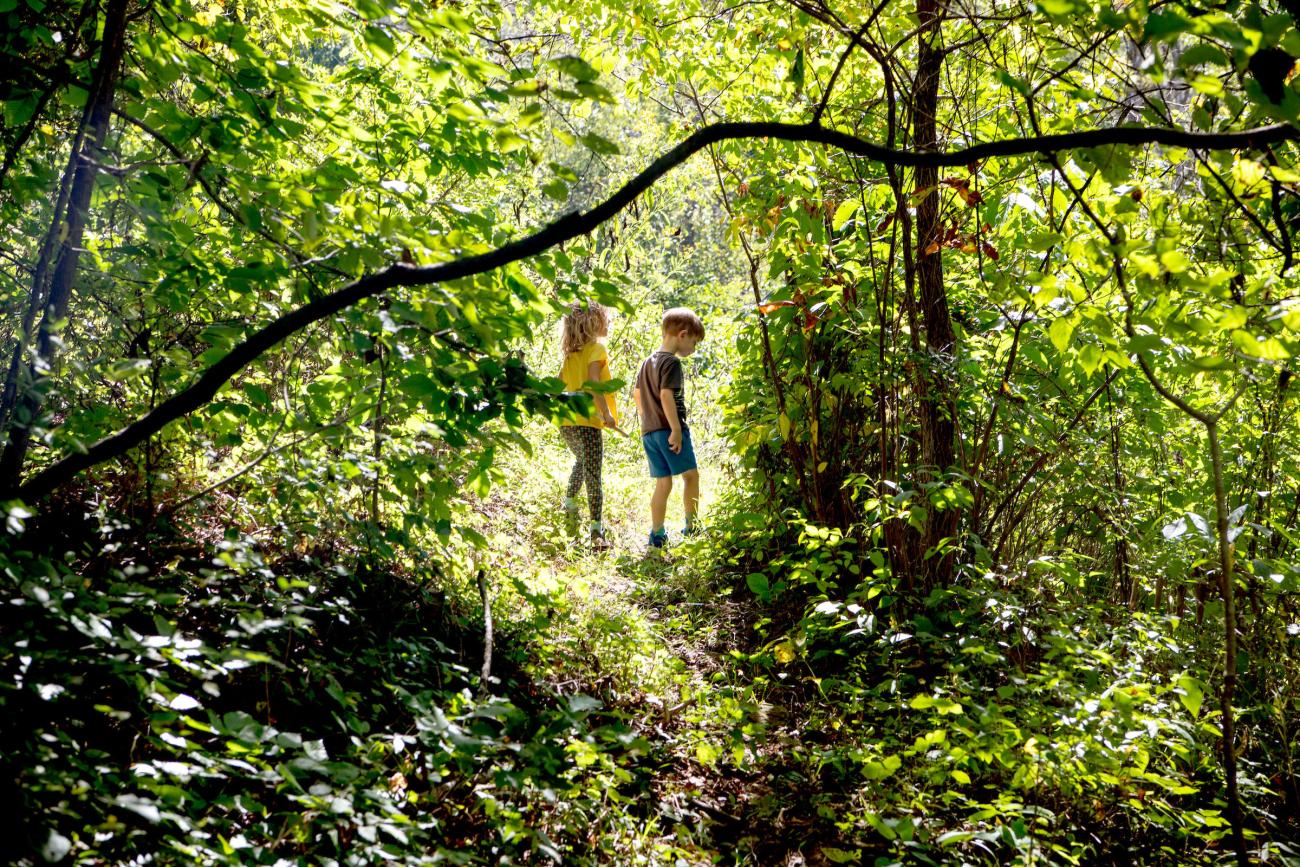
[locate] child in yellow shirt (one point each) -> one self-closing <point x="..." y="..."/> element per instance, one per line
<point x="587" y="360"/>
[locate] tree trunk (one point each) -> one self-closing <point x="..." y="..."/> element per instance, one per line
<point x="70" y="229"/>
<point x="1227" y="590"/>
<point x="937" y="426"/>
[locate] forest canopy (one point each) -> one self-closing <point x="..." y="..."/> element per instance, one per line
<point x="994" y="411"/>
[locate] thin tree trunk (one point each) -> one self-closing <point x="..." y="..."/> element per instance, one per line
<point x="1227" y="589"/>
<point x="41" y="277"/>
<point x="68" y="228"/>
<point x="1127" y="584"/>
<point x="938" y="428"/>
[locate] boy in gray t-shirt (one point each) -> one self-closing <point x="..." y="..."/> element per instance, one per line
<point x="659" y="395"/>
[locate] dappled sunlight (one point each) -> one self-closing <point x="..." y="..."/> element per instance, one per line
<point x="982" y="319"/>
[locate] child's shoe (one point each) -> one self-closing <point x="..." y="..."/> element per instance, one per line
<point x="658" y="540"/>
<point x="571" y="516"/>
<point x="598" y="540"/>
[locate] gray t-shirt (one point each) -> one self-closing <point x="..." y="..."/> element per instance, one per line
<point x="661" y="370"/>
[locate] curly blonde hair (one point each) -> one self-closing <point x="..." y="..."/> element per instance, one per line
<point x="582" y="324"/>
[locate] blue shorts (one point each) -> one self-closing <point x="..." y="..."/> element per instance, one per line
<point x="663" y="460"/>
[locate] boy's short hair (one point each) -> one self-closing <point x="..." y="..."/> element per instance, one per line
<point x="682" y="319"/>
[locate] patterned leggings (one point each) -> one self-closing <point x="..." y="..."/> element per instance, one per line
<point x="588" y="446"/>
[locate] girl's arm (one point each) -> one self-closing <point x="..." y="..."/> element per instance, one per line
<point x="602" y="405"/>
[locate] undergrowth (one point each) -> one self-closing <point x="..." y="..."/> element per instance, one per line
<point x="751" y="699"/>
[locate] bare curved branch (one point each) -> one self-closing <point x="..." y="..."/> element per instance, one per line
<point x="573" y="225"/>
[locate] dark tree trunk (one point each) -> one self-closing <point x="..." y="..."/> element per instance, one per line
<point x="69" y="227"/>
<point x="937" y="426"/>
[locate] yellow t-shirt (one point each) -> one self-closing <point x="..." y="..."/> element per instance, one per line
<point x="574" y="374"/>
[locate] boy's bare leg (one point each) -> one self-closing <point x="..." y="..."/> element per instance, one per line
<point x="659" y="501"/>
<point x="690" y="492"/>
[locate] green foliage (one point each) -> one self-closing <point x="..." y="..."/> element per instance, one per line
<point x="252" y="710"/>
<point x="1011" y="725"/>
<point x="1007" y="655"/>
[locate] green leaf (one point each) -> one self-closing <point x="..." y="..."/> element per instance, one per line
<point x="1057" y="7"/>
<point x="784" y="651"/>
<point x="1090" y="358"/>
<point x="579" y="703"/>
<point x="879" y="770"/>
<point x="127" y="368"/>
<point x="1208" y="362"/>
<point x="509" y="141"/>
<point x="564" y="173"/>
<point x="1192" y="694"/>
<point x="575" y="67"/>
<point x="758" y="584"/>
<point x="1267" y="348"/>
<point x="845" y="212"/>
<point x="1202" y="52"/>
<point x="1144" y="343"/>
<point x="591" y="90"/>
<point x="1060" y="332"/>
<point x="557" y="190"/>
<point x="599" y="144"/>
<point x="221" y="336"/>
<point x="419" y="385"/>
<point x="371" y="10"/>
<point x="378" y="41"/>
<point x="524" y="88"/>
<point x="1175" y="261"/>
<point x="19" y="111"/>
<point x="1012" y="82"/>
<point x="1165" y="24"/>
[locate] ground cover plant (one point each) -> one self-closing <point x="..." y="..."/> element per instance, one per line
<point x="995" y="411"/>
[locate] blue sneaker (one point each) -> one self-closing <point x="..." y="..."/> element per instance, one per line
<point x="658" y="540"/>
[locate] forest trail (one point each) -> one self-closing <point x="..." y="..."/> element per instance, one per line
<point x="664" y="642"/>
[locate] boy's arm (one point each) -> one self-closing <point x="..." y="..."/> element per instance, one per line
<point x="669" y="402"/>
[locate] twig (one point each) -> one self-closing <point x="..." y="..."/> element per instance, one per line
<point x="486" y="674"/>
<point x="853" y="43"/>
<point x="266" y="454"/>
